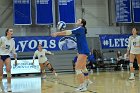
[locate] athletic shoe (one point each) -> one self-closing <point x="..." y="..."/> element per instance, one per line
<point x="0" y="89"/>
<point x="9" y="88"/>
<point x="81" y="88"/>
<point x="131" y="78"/>
<point x="43" y="77"/>
<point x="55" y="74"/>
<point x="87" y="83"/>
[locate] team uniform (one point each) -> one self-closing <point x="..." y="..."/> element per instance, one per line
<point x="82" y="48"/>
<point x="7" y="46"/>
<point x="44" y="60"/>
<point x="134" y="48"/>
<point x="82" y="45"/>
<point x="41" y="55"/>
<point x="134" y="44"/>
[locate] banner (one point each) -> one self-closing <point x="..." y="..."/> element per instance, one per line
<point x="136" y="10"/>
<point x="123" y="11"/>
<point x="24" y="66"/>
<point x="29" y="43"/>
<point x="22" y="12"/>
<point x="114" y="41"/>
<point x="44" y="13"/>
<point x="66" y="11"/>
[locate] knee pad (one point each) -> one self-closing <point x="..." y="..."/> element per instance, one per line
<point x="47" y="64"/>
<point x="78" y="71"/>
<point x="43" y="71"/>
<point x="51" y="69"/>
<point x="85" y="72"/>
<point x="8" y="74"/>
<point x="131" y="64"/>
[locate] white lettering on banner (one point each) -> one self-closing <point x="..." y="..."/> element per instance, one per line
<point x="22" y="44"/>
<point x="43" y="43"/>
<point x="64" y="2"/>
<point x="126" y="42"/>
<point x="119" y="42"/>
<point x="52" y="44"/>
<point x="42" y="1"/>
<point x="22" y="1"/>
<point x="111" y="43"/>
<point x="34" y="43"/>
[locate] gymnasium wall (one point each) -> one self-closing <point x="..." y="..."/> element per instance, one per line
<point x="100" y="20"/>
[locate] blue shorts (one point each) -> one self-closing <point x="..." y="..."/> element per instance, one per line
<point x="4" y="57"/>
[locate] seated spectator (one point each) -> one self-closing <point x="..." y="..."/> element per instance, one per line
<point x="120" y="61"/>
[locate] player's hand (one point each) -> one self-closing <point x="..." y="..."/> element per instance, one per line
<point x="15" y="62"/>
<point x="3" y="46"/>
<point x="32" y="63"/>
<point x="54" y="34"/>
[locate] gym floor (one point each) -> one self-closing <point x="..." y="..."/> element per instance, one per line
<point x="103" y="82"/>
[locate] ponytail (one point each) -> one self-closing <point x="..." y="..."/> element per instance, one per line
<point x="84" y="25"/>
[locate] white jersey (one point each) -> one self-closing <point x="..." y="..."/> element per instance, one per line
<point x="7" y="46"/>
<point x="41" y="55"/>
<point x="134" y="44"/>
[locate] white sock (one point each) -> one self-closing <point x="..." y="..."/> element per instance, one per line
<point x="132" y="74"/>
<point x="9" y="85"/>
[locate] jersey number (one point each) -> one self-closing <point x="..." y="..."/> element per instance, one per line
<point x="134" y="43"/>
<point x="8" y="47"/>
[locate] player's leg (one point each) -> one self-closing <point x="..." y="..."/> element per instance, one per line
<point x="86" y="76"/>
<point x="132" y="57"/>
<point x="81" y="62"/>
<point x="1" y="73"/>
<point x="50" y="67"/>
<point x="138" y="61"/>
<point x="42" y="69"/>
<point x="8" y="70"/>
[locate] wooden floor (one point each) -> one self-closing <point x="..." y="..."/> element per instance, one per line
<point x="104" y="82"/>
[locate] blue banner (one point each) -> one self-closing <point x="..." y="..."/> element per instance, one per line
<point x="136" y="10"/>
<point x="29" y="43"/>
<point x="113" y="41"/>
<point x="22" y="12"/>
<point x="44" y="13"/>
<point x="123" y="11"/>
<point x="67" y="11"/>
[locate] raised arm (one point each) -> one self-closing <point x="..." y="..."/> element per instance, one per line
<point x="48" y="52"/>
<point x="62" y="33"/>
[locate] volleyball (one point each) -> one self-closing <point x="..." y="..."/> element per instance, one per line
<point x="61" y="25"/>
